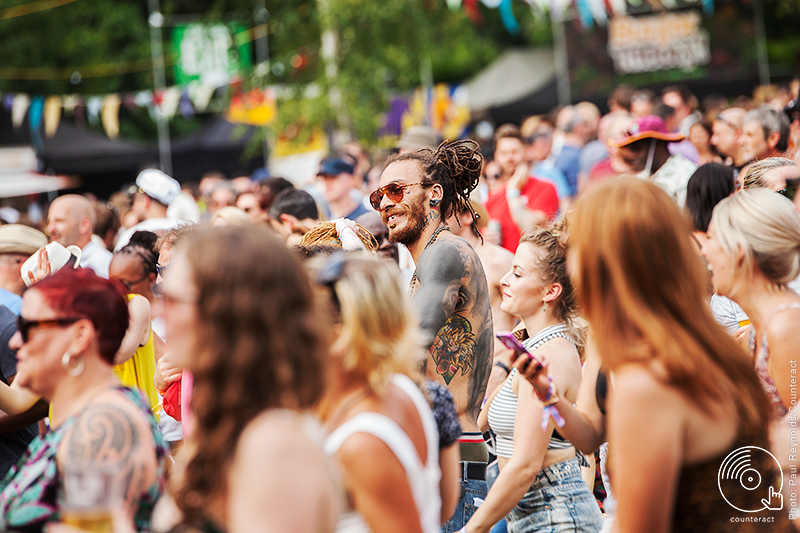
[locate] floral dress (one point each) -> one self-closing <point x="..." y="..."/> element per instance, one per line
<point x="30" y="493"/>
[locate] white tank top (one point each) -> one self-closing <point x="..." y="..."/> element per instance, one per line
<point x="423" y="479"/>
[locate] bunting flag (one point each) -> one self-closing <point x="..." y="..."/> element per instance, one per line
<point x="70" y="102"/>
<point x="35" y="121"/>
<point x="185" y="107"/>
<point x="472" y="11"/>
<point x="507" y="17"/>
<point x="52" y="115"/>
<point x="110" y="115"/>
<point x="170" y="99"/>
<point x="94" y="106"/>
<point x="19" y="108"/>
<point x="585" y="13"/>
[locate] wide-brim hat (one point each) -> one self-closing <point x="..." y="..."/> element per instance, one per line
<point x="647" y="127"/>
<point x="20" y="239"/>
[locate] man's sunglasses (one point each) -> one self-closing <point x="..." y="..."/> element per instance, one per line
<point x="393" y="191"/>
<point x="24" y="325"/>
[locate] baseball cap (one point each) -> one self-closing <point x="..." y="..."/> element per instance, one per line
<point x="334" y="166"/>
<point x="158" y="185"/>
<point x="20" y="239"/>
<point x="648" y="127"/>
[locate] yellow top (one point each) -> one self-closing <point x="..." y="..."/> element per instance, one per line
<point x="138" y="371"/>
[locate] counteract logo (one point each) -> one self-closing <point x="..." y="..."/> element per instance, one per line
<point x="738" y="476"/>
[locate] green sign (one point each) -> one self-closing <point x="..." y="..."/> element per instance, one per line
<point x="211" y="53"/>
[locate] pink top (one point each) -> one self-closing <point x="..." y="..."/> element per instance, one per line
<point x="762" y="366"/>
<point x="187" y="418"/>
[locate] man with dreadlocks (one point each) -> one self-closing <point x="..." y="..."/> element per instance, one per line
<point x="419" y="191"/>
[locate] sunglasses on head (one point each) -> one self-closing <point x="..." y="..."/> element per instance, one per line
<point x="393" y="191"/>
<point x="24" y="325"/>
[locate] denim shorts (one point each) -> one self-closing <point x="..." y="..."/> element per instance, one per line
<point x="558" y="500"/>
<point x="473" y="492"/>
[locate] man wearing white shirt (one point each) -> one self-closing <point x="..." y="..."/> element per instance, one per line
<point x="156" y="192"/>
<point x="70" y="220"/>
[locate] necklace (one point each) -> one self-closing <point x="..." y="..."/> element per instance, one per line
<point x="349" y="401"/>
<point x="430" y="241"/>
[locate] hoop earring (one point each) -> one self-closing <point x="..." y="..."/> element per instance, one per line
<point x="435" y="203"/>
<point x="72" y="371"/>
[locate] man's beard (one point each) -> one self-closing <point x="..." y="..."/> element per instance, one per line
<point x="415" y="225"/>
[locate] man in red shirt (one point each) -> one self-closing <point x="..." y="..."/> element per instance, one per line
<point x="518" y="201"/>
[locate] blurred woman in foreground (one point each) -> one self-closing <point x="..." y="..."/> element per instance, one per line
<point x="381" y="427"/>
<point x="241" y="317"/>
<point x="685" y="395"/>
<point x="70" y="327"/>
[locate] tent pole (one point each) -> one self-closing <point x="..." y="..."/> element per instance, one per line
<point x="761" y="43"/>
<point x="560" y="53"/>
<point x="156" y="21"/>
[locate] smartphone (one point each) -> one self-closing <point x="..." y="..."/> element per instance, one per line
<point x="510" y="341"/>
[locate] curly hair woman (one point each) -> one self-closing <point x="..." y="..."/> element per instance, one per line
<point x="241" y="316"/>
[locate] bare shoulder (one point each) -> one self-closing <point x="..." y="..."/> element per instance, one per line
<point x="108" y="428"/>
<point x="362" y="451"/>
<point x="783" y="328"/>
<point x="641" y="384"/>
<point x="112" y="433"/>
<point x="496" y="260"/>
<point x="280" y="434"/>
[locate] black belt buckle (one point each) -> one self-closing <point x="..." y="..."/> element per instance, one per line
<point x="471" y="470"/>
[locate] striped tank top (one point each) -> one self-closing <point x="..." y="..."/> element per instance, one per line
<point x="503" y="409"/>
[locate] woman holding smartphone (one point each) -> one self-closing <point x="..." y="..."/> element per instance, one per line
<point x="540" y="484"/>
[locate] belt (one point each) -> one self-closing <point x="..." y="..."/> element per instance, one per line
<point x="473" y="471"/>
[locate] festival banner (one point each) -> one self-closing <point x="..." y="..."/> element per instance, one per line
<point x="649" y="46"/>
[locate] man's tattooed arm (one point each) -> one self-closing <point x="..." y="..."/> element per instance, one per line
<point x="440" y="272"/>
<point x="108" y="435"/>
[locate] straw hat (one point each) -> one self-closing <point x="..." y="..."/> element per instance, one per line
<point x="19" y="239"/>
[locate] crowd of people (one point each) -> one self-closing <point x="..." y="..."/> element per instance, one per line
<point x="577" y="326"/>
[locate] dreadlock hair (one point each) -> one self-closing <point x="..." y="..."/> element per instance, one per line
<point x="142" y="245"/>
<point x="456" y="166"/>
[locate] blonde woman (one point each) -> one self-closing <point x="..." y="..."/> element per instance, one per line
<point x="539" y="486"/>
<point x="382" y="431"/>
<point x="753" y="250"/>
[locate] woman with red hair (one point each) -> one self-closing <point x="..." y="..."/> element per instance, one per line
<point x="70" y="327"/>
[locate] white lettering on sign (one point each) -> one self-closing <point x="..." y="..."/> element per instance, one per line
<point x="661" y="42"/>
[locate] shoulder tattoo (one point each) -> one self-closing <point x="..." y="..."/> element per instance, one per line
<point x="106" y="436"/>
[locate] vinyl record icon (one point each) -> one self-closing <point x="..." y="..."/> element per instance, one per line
<point x="749" y="477"/>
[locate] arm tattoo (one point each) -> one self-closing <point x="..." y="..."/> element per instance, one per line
<point x="106" y="436"/>
<point x="453" y="348"/>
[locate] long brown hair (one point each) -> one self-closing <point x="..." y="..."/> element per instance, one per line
<point x="259" y="347"/>
<point x="641" y="284"/>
